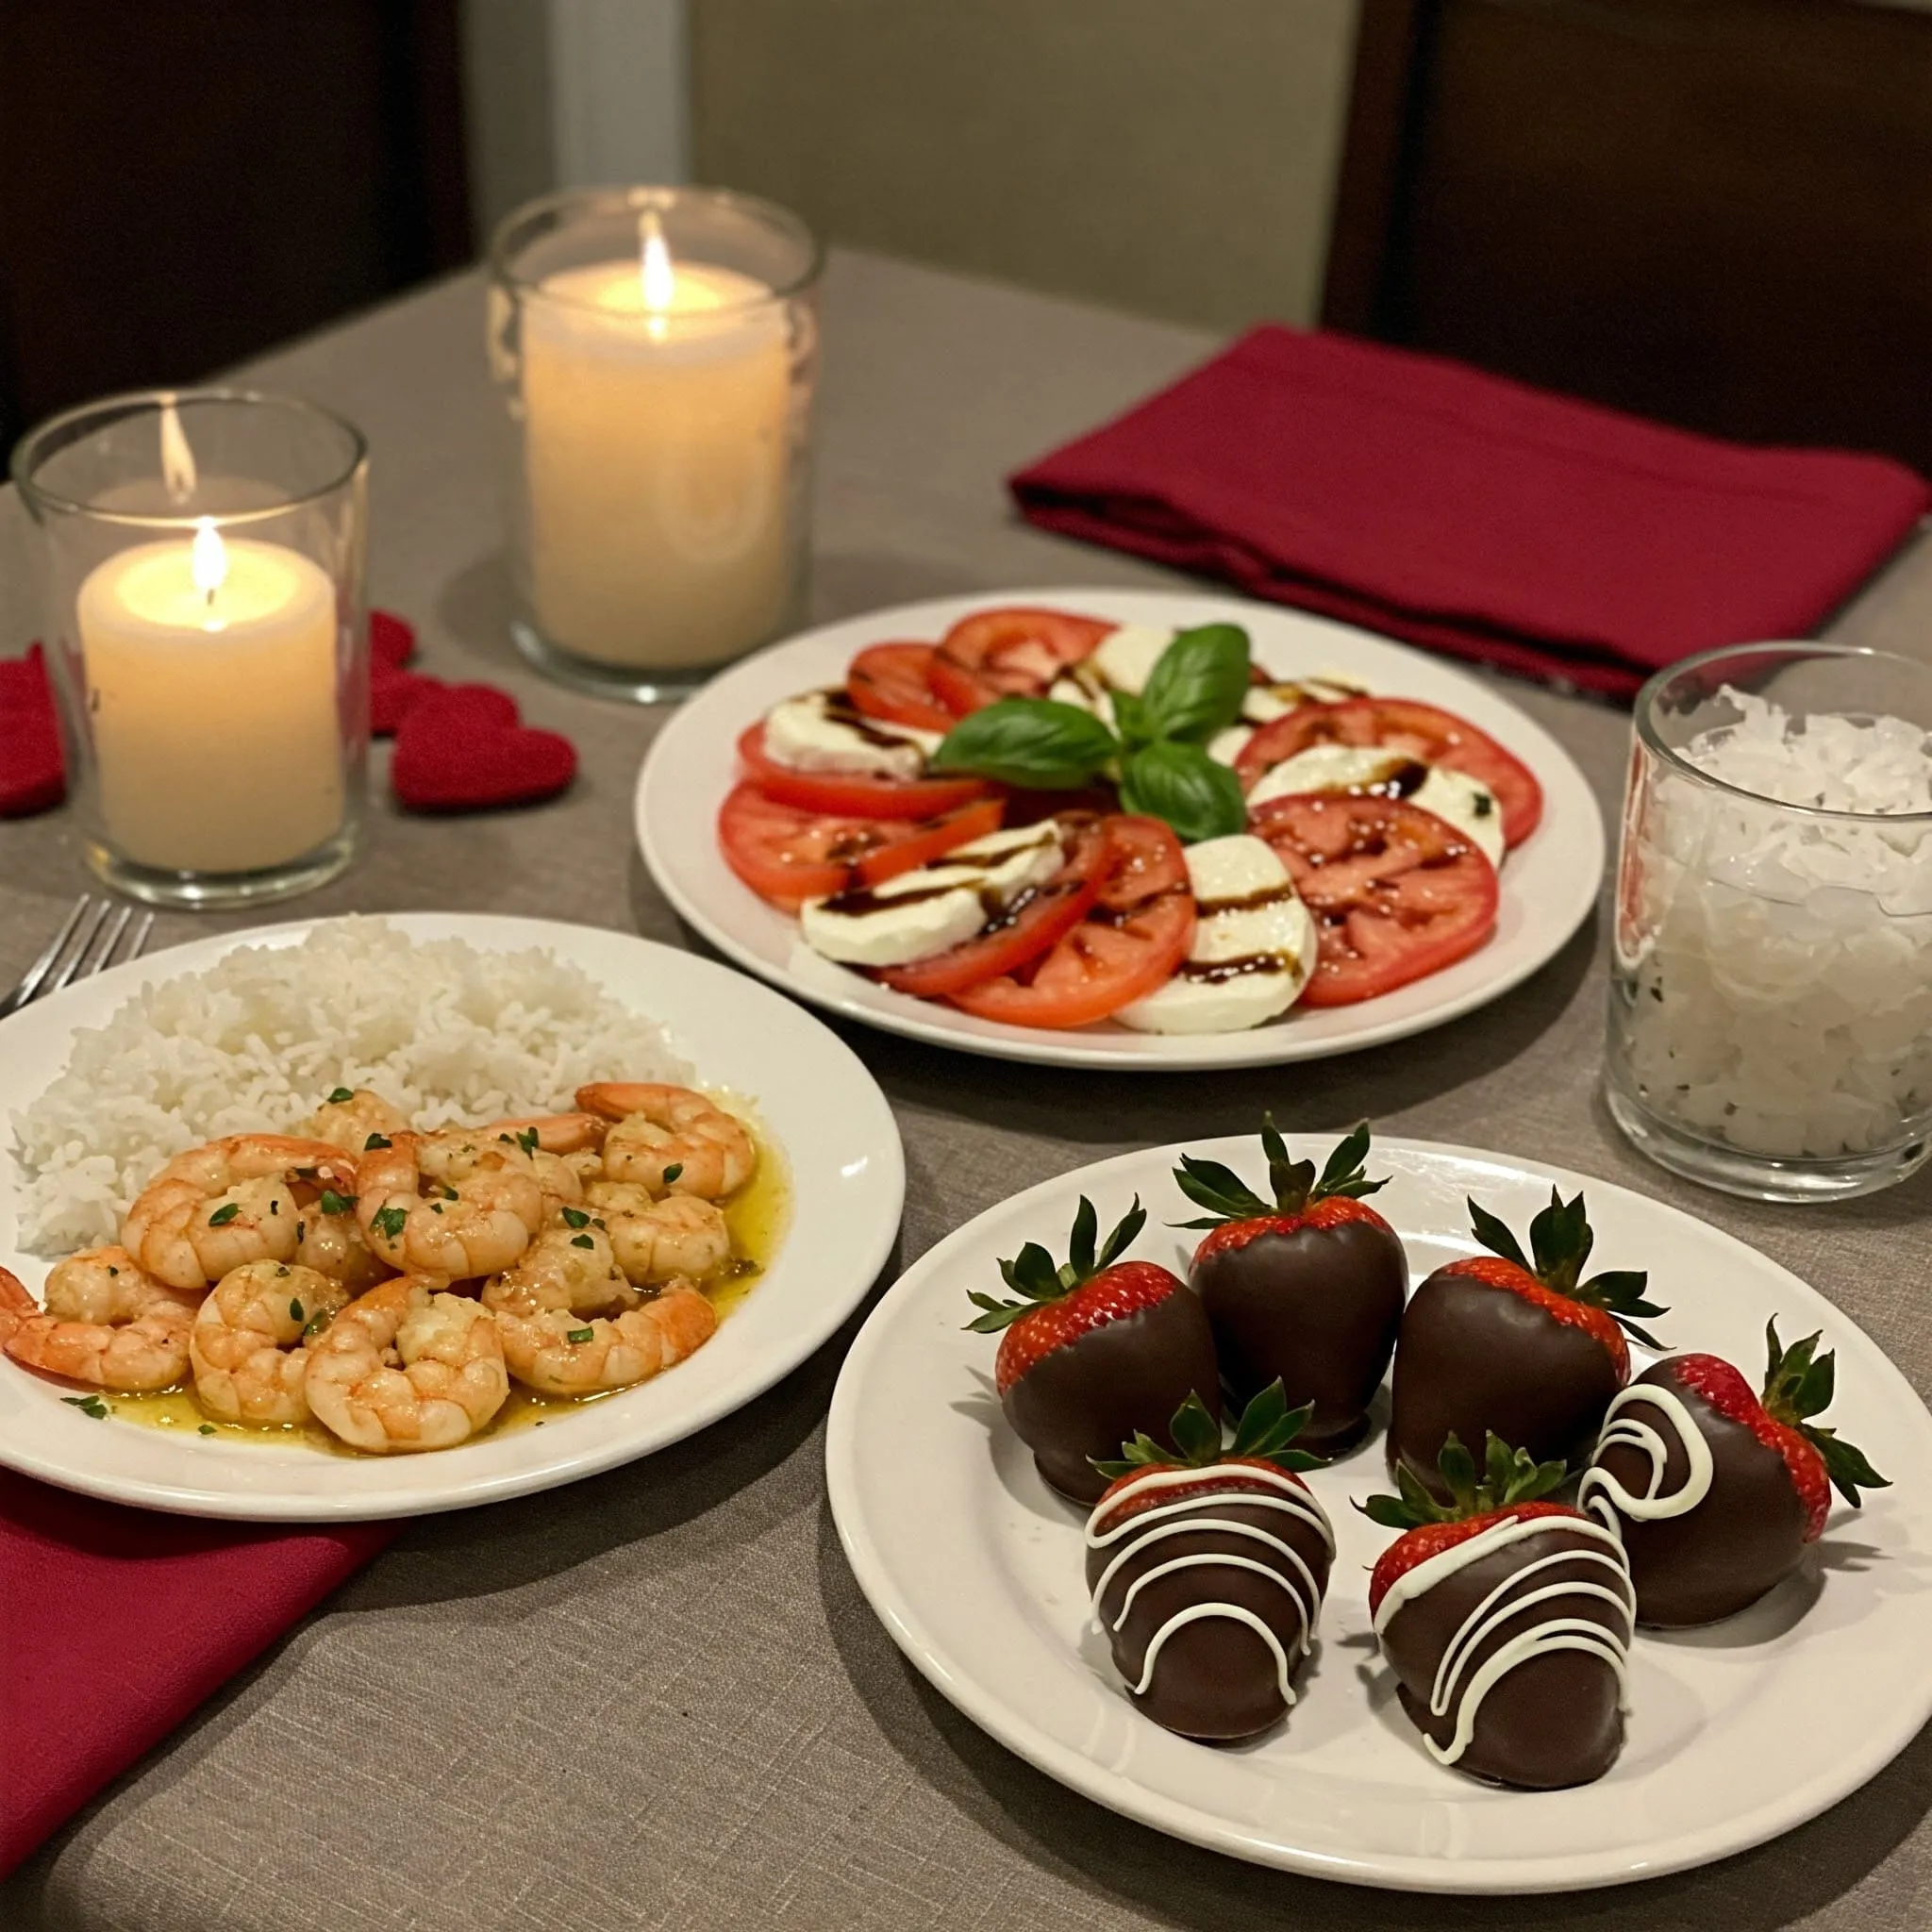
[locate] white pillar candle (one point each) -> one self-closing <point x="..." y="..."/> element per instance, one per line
<point x="655" y="402"/>
<point x="212" y="702"/>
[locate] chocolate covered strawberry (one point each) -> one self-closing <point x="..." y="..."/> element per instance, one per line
<point x="1526" y="1350"/>
<point x="1095" y="1350"/>
<point x="1506" y="1620"/>
<point x="1208" y="1568"/>
<point x="1305" y="1289"/>
<point x="1714" y="1490"/>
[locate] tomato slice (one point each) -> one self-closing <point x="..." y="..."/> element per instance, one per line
<point x="890" y="681"/>
<point x="854" y="794"/>
<point x="1028" y="927"/>
<point x="1138" y="931"/>
<point x="787" y="854"/>
<point x="1396" y="892"/>
<point x="1013" y="652"/>
<point x="1423" y="731"/>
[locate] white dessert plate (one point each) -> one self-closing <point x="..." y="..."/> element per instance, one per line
<point x="1736" y="1733"/>
<point x="1549" y="883"/>
<point x="811" y="1096"/>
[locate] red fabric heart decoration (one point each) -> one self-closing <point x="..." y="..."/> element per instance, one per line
<point x="392" y="693"/>
<point x="392" y="639"/>
<point x="33" y="775"/>
<point x="465" y="749"/>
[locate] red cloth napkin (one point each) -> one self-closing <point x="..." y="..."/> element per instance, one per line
<point x="1472" y="515"/>
<point x="115" y="1624"/>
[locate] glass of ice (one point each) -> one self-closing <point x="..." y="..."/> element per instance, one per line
<point x="1771" y="989"/>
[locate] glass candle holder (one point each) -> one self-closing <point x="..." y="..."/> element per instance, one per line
<point x="1771" y="993"/>
<point x="203" y="560"/>
<point x="657" y="349"/>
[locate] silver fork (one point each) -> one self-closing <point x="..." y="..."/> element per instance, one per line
<point x="87" y="941"/>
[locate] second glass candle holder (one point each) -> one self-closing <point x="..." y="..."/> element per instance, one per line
<point x="657" y="349"/>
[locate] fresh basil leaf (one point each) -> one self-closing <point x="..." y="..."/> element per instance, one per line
<point x="1130" y="720"/>
<point x="1197" y="684"/>
<point x="1181" y="784"/>
<point x="1035" y="743"/>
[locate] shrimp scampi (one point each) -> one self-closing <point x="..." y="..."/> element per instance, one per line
<point x="658" y="1240"/>
<point x="670" y="1140"/>
<point x="249" y="1343"/>
<point x="458" y="1203"/>
<point x="233" y="1201"/>
<point x="105" y="1323"/>
<point x="408" y="1366"/>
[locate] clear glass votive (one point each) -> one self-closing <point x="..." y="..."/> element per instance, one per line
<point x="202" y="556"/>
<point x="657" y="349"/>
<point x="1771" y="992"/>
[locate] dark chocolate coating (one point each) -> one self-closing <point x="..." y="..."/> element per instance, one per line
<point x="1474" y="1358"/>
<point x="1745" y="1538"/>
<point x="1552" y="1720"/>
<point x="1215" y="1677"/>
<point x="1086" y="1398"/>
<point x="1319" y="1307"/>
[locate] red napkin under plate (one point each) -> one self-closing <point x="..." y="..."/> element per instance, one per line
<point x="1472" y="515"/>
<point x="118" y="1623"/>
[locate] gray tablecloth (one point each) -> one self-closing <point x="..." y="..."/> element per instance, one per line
<point x="656" y="1698"/>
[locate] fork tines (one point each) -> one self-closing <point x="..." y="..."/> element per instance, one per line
<point x="88" y="939"/>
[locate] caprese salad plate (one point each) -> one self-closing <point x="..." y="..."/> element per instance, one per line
<point x="1127" y="830"/>
<point x="1682" y="1644"/>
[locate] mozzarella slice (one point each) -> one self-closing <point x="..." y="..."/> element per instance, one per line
<point x="1265" y="703"/>
<point x="933" y="908"/>
<point x="824" y="731"/>
<point x="1466" y="803"/>
<point x="1225" y="747"/>
<point x="1123" y="660"/>
<point x="1254" y="945"/>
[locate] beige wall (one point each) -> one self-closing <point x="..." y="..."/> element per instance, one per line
<point x="1175" y="156"/>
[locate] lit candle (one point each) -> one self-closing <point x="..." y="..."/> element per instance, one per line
<point x="211" y="695"/>
<point x="656" y="400"/>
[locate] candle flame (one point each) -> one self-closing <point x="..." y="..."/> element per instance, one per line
<point x="655" y="272"/>
<point x="177" y="459"/>
<point x="209" y="561"/>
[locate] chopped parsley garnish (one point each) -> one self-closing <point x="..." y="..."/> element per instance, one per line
<point x="341" y="1095"/>
<point x="274" y="1206"/>
<point x="582" y="1240"/>
<point x="373" y="1141"/>
<point x="318" y="1320"/>
<point x="294" y="1311"/>
<point x="579" y="1333"/>
<point x="301" y="1233"/>
<point x="672" y="1172"/>
<point x="528" y="1138"/>
<point x="206" y="1429"/>
<point x="222" y="1215"/>
<point x="390" y="1222"/>
<point x="575" y="1217"/>
<point x="333" y="1203"/>
<point x="88" y="1405"/>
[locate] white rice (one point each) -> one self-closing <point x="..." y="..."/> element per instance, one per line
<point x="256" y="1043"/>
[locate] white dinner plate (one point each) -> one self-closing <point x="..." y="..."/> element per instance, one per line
<point x="1549" y="883"/>
<point x="1736" y="1732"/>
<point x="810" y="1094"/>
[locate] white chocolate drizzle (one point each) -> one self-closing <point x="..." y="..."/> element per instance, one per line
<point x="1145" y="1526"/>
<point x="1509" y="1599"/>
<point x="1601" y="1492"/>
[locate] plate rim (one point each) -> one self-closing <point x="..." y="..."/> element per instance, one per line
<point x="808" y="1334"/>
<point x="1265" y="1046"/>
<point x="1406" y="1873"/>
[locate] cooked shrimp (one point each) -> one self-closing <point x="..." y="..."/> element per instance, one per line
<point x="328" y="1238"/>
<point x="213" y="1208"/>
<point x="657" y="1240"/>
<point x="105" y="1323"/>
<point x="456" y="1203"/>
<point x="249" y="1341"/>
<point x="558" y="1353"/>
<point x="564" y="1148"/>
<point x="670" y="1140"/>
<point x="347" y="1119"/>
<point x="408" y="1366"/>
<point x="566" y="1267"/>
